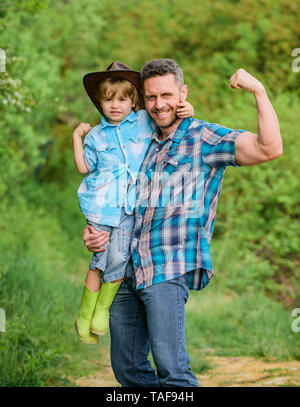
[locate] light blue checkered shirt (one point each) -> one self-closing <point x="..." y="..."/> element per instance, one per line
<point x="113" y="155"/>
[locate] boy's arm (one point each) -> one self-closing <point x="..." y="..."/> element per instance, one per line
<point x="81" y="130"/>
<point x="184" y="109"/>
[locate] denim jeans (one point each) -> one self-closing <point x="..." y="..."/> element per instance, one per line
<point x="151" y="317"/>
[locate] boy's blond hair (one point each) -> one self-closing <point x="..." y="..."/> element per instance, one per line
<point x="112" y="86"/>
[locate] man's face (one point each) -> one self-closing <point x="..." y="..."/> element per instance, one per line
<point x="162" y="94"/>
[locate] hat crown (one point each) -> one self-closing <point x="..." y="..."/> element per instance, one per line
<point x="118" y="66"/>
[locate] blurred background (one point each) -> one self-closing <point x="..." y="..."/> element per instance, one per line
<point x="47" y="47"/>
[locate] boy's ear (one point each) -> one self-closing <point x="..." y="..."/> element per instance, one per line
<point x="183" y="93"/>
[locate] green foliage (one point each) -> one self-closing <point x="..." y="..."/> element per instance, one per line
<point x="40" y="299"/>
<point x="249" y="325"/>
<point x="258" y="213"/>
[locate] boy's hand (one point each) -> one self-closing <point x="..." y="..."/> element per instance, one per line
<point x="82" y="129"/>
<point x="94" y="239"/>
<point x="184" y="109"/>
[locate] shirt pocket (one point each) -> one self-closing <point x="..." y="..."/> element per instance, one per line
<point x="107" y="156"/>
<point x="138" y="146"/>
<point x="141" y="138"/>
<point x="179" y="163"/>
<point x="175" y="175"/>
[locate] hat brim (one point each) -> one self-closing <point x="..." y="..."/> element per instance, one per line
<point x="92" y="79"/>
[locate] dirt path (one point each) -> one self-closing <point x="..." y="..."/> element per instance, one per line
<point x="249" y="372"/>
<point x="225" y="372"/>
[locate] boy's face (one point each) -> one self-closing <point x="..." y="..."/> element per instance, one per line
<point x="116" y="108"/>
<point x="162" y="94"/>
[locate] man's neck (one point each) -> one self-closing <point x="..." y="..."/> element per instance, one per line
<point x="165" y="132"/>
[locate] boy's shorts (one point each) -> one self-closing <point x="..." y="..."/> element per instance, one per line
<point x="112" y="262"/>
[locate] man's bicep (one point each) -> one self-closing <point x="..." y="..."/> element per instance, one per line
<point x="247" y="150"/>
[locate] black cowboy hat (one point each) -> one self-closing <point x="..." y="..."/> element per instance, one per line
<point x="115" y="70"/>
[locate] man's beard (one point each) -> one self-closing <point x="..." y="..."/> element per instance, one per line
<point x="166" y="126"/>
<point x="169" y="124"/>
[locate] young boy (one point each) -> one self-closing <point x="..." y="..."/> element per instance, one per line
<point x="112" y="153"/>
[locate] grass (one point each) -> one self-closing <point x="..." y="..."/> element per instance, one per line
<point x="41" y="298"/>
<point x="42" y="270"/>
<point x="233" y="325"/>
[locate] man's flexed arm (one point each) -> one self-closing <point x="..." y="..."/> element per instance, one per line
<point x="266" y="145"/>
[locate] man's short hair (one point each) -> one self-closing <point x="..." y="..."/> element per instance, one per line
<point x="160" y="67"/>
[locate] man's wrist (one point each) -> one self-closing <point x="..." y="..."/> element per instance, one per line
<point x="260" y="91"/>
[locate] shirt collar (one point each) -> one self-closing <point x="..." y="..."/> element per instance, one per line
<point x="130" y="118"/>
<point x="176" y="135"/>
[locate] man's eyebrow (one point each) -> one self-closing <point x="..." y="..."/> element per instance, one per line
<point x="153" y="95"/>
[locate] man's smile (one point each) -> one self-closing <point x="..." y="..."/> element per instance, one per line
<point x="162" y="114"/>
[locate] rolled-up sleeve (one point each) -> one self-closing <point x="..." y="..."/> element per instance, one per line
<point x="218" y="146"/>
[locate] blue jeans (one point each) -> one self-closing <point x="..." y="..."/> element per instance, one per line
<point x="151" y="317"/>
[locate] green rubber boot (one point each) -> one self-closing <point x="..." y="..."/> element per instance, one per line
<point x="100" y="321"/>
<point x="83" y="320"/>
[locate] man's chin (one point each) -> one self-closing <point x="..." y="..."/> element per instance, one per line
<point x="168" y="124"/>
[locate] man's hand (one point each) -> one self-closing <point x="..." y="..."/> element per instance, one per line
<point x="242" y="79"/>
<point x="94" y="239"/>
<point x="82" y="129"/>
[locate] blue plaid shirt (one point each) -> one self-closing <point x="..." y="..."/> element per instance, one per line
<point x="113" y="155"/>
<point x="178" y="187"/>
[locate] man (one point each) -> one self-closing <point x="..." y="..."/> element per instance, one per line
<point x="177" y="191"/>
